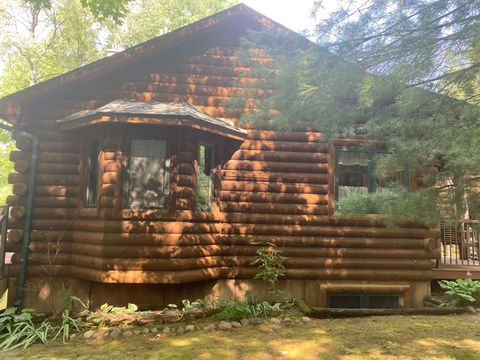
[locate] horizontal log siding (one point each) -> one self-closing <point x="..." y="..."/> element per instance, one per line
<point x="274" y="188"/>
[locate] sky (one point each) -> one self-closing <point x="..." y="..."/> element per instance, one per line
<point x="294" y="14"/>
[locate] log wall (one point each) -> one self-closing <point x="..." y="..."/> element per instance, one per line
<point x="274" y="187"/>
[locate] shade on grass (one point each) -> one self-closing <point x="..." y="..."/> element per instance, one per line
<point x="391" y="337"/>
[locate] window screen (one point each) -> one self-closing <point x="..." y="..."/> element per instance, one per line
<point x="364" y="301"/>
<point x="204" y="181"/>
<point x="345" y="301"/>
<point x="352" y="173"/>
<point x="357" y="172"/>
<point x="147" y="174"/>
<point x="384" y="302"/>
<point x="91" y="173"/>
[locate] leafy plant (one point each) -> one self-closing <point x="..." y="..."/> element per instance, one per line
<point x="188" y="307"/>
<point x="67" y="321"/>
<point x="461" y="291"/>
<point x="20" y="330"/>
<point x="114" y="314"/>
<point x="234" y="311"/>
<point x="270" y="262"/>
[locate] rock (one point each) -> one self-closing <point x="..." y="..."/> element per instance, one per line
<point x="287" y="319"/>
<point x="256" y="321"/>
<point x="146" y="330"/>
<point x="224" y="325"/>
<point x="88" y="334"/>
<point x="136" y="332"/>
<point x="244" y="322"/>
<point x="190" y="328"/>
<point x="100" y="335"/>
<point x="306" y="319"/>
<point x="209" y="327"/>
<point x="275" y="327"/>
<point x="180" y="330"/>
<point x="275" y="321"/>
<point x="236" y="324"/>
<point x="73" y="336"/>
<point x="154" y="330"/>
<point x="166" y="330"/>
<point x="127" y="333"/>
<point x="116" y="332"/>
<point x="470" y="309"/>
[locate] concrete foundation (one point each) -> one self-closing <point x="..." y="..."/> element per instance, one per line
<point x="46" y="295"/>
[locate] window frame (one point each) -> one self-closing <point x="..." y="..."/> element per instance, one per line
<point x="371" y="151"/>
<point x="212" y="161"/>
<point x="86" y="173"/>
<point x="126" y="176"/>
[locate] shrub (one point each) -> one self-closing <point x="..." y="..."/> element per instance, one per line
<point x="461" y="291"/>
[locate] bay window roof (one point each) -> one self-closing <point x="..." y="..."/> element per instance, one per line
<point x="134" y="111"/>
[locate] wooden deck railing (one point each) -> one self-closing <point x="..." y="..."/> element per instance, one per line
<point x="460" y="243"/>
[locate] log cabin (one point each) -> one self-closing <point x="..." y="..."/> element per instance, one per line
<point x="134" y="183"/>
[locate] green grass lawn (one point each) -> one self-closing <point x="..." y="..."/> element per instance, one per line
<point x="391" y="337"/>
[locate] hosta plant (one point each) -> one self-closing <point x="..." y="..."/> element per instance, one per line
<point x="461" y="291"/>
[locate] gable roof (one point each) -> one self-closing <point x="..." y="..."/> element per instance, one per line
<point x="178" y="112"/>
<point x="11" y="104"/>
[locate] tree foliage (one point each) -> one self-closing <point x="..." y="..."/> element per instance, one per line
<point x="41" y="39"/>
<point x="406" y="71"/>
<point x="101" y="9"/>
<point x="151" y="18"/>
<point x="6" y="166"/>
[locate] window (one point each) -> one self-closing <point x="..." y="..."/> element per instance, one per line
<point x="355" y="172"/>
<point x="204" y="181"/>
<point x="364" y="301"/>
<point x="91" y="173"/>
<point x="146" y="185"/>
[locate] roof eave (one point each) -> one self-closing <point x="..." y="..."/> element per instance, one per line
<point x="161" y="120"/>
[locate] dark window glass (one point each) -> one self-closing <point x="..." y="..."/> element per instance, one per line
<point x="364" y="301"/>
<point x="356" y="172"/>
<point x="91" y="173"/>
<point x="352" y="173"/>
<point x="345" y="301"/>
<point x="147" y="174"/>
<point x="204" y="181"/>
<point x="383" y="302"/>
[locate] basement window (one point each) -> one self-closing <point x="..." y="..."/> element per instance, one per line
<point x="146" y="180"/>
<point x="364" y="301"/>
<point x="204" y="181"/>
<point x="91" y="173"/>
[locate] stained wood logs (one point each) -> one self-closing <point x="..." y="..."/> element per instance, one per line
<point x="275" y="188"/>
